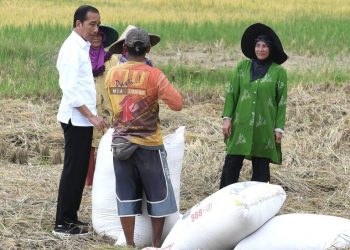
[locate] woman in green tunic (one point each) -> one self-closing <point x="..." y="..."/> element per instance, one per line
<point x="255" y="106"/>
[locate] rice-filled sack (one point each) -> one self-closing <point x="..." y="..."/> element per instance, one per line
<point x="300" y="231"/>
<point x="105" y="220"/>
<point x="104" y="215"/>
<point x="224" y="218"/>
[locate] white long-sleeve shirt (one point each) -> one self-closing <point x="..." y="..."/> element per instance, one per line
<point x="76" y="81"/>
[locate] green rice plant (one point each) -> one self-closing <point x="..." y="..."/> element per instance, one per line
<point x="31" y="36"/>
<point x="319" y="76"/>
<point x="28" y="60"/>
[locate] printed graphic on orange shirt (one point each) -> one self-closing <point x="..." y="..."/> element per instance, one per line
<point x="126" y="91"/>
<point x="137" y="117"/>
<point x="127" y="103"/>
<point x="129" y="82"/>
<point x="136" y="111"/>
<point x="124" y="78"/>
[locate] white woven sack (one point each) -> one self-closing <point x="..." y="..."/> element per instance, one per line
<point x="104" y="215"/>
<point x="300" y="231"/>
<point x="104" y="205"/>
<point x="224" y="218"/>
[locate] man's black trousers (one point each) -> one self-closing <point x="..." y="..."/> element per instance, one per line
<point x="77" y="144"/>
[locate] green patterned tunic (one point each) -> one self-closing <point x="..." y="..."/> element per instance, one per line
<point x="257" y="108"/>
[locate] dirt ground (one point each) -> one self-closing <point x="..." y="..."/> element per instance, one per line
<point x="220" y="55"/>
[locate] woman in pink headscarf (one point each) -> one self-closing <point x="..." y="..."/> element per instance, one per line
<point x="101" y="62"/>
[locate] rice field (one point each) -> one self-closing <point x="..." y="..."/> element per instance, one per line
<point x="200" y="45"/>
<point x="314" y="35"/>
<point x="181" y="11"/>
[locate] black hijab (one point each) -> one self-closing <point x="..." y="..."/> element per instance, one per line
<point x="258" y="67"/>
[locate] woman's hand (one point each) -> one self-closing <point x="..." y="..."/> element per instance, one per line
<point x="226" y="127"/>
<point x="278" y="137"/>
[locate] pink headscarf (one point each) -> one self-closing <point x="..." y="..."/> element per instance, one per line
<point x="98" y="56"/>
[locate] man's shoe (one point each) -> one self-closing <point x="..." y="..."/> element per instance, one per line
<point x="77" y="223"/>
<point x="69" y="230"/>
<point x="80" y="223"/>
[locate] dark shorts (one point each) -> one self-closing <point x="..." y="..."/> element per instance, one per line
<point x="145" y="171"/>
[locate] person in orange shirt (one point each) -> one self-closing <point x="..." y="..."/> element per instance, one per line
<point x="139" y="157"/>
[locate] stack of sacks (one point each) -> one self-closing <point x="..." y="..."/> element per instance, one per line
<point x="105" y="219"/>
<point x="224" y="218"/>
<point x="300" y="231"/>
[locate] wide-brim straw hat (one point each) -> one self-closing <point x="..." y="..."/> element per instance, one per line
<point x="248" y="42"/>
<point x="110" y="35"/>
<point x="117" y="47"/>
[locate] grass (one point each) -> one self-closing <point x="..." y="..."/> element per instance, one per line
<point x="303" y="35"/>
<point x="38" y="77"/>
<point x="30" y="42"/>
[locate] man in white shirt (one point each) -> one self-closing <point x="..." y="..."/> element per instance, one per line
<point x="77" y="114"/>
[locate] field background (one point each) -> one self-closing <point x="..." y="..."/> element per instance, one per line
<point x="200" y="45"/>
<point x="196" y="36"/>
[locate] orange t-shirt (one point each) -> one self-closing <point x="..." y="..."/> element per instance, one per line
<point x="134" y="89"/>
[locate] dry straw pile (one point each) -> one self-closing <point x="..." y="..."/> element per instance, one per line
<point x="315" y="171"/>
